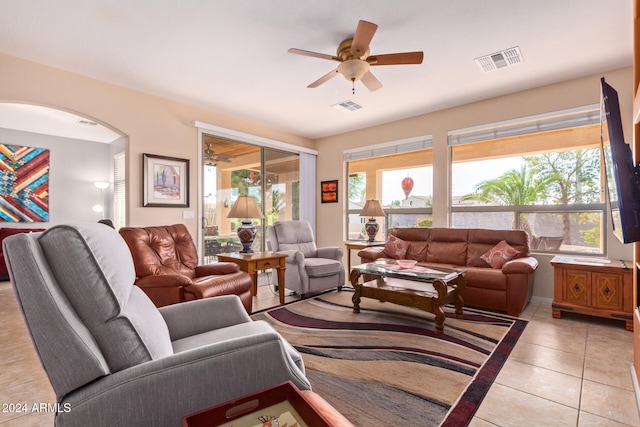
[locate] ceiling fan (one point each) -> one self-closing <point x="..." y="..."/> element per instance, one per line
<point x="355" y="60"/>
<point x="211" y="158"/>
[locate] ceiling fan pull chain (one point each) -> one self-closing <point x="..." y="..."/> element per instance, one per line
<point x="353" y="88"/>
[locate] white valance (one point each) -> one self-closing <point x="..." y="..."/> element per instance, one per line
<point x="389" y="148"/>
<point x="547" y="122"/>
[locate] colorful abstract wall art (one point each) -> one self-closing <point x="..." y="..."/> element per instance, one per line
<point x="24" y="184"/>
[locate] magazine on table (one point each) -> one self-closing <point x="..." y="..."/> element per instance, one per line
<point x="417" y="270"/>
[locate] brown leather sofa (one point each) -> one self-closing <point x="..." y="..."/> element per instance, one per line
<point x="167" y="270"/>
<point x="505" y="289"/>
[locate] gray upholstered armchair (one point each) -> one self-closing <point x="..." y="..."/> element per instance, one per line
<point x="309" y="269"/>
<point x="115" y="359"/>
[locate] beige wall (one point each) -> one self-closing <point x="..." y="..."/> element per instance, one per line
<point x="159" y="126"/>
<point x="569" y="94"/>
<point x="153" y="125"/>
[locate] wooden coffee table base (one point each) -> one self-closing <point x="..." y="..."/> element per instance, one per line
<point x="428" y="296"/>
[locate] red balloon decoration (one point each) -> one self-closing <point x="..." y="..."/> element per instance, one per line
<point x="407" y="186"/>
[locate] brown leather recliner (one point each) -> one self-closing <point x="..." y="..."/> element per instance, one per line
<point x="167" y="270"/>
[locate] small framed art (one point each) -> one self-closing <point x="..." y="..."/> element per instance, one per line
<point x="165" y="181"/>
<point x="329" y="191"/>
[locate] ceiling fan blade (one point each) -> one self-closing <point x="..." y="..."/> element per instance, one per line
<point x="312" y="54"/>
<point x="397" y="58"/>
<point x="362" y="38"/>
<point x="324" y="78"/>
<point x="370" y="81"/>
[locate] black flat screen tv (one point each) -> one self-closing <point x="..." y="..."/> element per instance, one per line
<point x="621" y="170"/>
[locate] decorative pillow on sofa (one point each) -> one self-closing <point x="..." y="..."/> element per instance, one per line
<point x="396" y="248"/>
<point x="499" y="254"/>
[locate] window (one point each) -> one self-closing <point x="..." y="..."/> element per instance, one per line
<point x="119" y="195"/>
<point x="541" y="175"/>
<point x="400" y="176"/>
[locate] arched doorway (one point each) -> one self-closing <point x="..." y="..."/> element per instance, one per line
<point x="82" y="153"/>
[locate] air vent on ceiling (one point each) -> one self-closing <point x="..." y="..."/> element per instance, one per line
<point x="500" y="59"/>
<point x="347" y="106"/>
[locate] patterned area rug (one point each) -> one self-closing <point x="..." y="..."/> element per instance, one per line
<point x="386" y="366"/>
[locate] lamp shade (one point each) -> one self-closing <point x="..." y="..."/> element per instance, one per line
<point x="353" y="69"/>
<point x="372" y="208"/>
<point x="101" y="184"/>
<point x="245" y="207"/>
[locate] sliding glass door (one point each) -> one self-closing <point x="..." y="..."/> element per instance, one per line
<point x="232" y="169"/>
<point x="281" y="187"/>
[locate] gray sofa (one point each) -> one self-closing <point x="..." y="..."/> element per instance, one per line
<point x="112" y="357"/>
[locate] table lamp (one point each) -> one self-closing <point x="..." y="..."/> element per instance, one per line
<point x="372" y="208"/>
<point x="246" y="208"/>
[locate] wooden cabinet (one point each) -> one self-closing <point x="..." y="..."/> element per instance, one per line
<point x="594" y="287"/>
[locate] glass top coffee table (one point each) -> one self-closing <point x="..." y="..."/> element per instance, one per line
<point x="421" y="287"/>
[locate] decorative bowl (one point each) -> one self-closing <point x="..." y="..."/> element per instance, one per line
<point x="406" y="263"/>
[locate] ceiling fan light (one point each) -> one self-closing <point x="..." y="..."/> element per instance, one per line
<point x="353" y="69"/>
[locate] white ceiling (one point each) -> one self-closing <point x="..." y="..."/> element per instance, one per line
<point x="49" y="121"/>
<point x="231" y="55"/>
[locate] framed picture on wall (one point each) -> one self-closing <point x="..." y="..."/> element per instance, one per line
<point x="165" y="181"/>
<point x="329" y="191"/>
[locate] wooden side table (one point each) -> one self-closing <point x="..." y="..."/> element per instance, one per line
<point x="359" y="245"/>
<point x="256" y="261"/>
<point x="601" y="288"/>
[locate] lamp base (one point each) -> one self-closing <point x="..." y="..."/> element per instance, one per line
<point x="371" y="227"/>
<point x="246" y="233"/>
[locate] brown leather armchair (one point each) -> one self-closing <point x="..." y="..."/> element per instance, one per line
<point x="167" y="270"/>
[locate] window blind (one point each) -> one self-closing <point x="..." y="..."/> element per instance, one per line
<point x="389" y="148"/>
<point x="557" y="120"/>
<point x="119" y="196"/>
<point x="308" y="189"/>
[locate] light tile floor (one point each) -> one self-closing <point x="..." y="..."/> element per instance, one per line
<point x="573" y="371"/>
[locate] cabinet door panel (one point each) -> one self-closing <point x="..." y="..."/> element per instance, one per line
<point x="607" y="291"/>
<point x="576" y="287"/>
